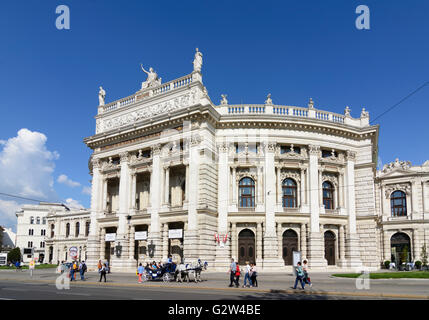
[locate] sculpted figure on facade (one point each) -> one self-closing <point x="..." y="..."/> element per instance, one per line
<point x="404" y="165"/>
<point x="152" y="78"/>
<point x="364" y="113"/>
<point x="198" y="60"/>
<point x="269" y="101"/>
<point x="223" y="102"/>
<point x="101" y="96"/>
<point x="311" y="104"/>
<point x="347" y="111"/>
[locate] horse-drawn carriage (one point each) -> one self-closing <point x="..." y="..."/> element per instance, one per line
<point x="166" y="273"/>
<point x="179" y="273"/>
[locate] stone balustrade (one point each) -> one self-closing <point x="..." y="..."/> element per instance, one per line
<point x="149" y="92"/>
<point x="291" y="111"/>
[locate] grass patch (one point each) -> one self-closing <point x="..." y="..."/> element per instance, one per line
<point x="41" y="266"/>
<point x="389" y="275"/>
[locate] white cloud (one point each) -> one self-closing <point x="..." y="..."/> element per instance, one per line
<point x="65" y="180"/>
<point x="7" y="213"/>
<point x="26" y="168"/>
<point x="74" y="204"/>
<point x="86" y="190"/>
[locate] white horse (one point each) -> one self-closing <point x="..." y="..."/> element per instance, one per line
<point x="182" y="272"/>
<point x="196" y="270"/>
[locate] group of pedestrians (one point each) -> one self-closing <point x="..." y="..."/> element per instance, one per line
<point x="249" y="276"/>
<point x="302" y="276"/>
<point x="80" y="268"/>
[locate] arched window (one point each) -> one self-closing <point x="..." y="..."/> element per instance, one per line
<point x="398" y="203"/>
<point x="38" y="220"/>
<point x="77" y="229"/>
<point x="67" y="229"/>
<point x="52" y="230"/>
<point x="289" y="193"/>
<point x="31" y="220"/>
<point x="328" y="195"/>
<point x="44" y="220"/>
<point x="246" y="188"/>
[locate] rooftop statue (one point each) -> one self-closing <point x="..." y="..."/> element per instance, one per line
<point x="223" y="102"/>
<point x="364" y="114"/>
<point x="101" y="96"/>
<point x="269" y="101"/>
<point x="347" y="111"/>
<point x="152" y="78"/>
<point x="311" y="104"/>
<point x="198" y="60"/>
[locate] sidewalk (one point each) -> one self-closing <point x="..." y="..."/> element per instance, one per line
<point x="323" y="283"/>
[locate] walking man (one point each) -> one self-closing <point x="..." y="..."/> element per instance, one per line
<point x="232" y="271"/>
<point x="82" y="270"/>
<point x="237" y="276"/>
<point x="299" y="276"/>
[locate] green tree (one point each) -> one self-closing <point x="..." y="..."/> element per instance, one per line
<point x="424" y="256"/>
<point x="14" y="255"/>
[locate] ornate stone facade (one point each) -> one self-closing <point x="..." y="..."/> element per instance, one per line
<point x="219" y="172"/>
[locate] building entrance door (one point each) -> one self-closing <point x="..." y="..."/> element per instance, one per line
<point x="330" y="247"/>
<point x="290" y="244"/>
<point x="246" y="247"/>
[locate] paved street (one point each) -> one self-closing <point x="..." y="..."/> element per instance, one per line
<point x="19" y="285"/>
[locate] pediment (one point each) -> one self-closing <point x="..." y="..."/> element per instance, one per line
<point x="395" y="173"/>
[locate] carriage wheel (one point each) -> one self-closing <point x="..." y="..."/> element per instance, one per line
<point x="166" y="277"/>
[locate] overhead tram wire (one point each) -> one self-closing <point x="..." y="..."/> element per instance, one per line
<point x="19" y="197"/>
<point x="402" y="100"/>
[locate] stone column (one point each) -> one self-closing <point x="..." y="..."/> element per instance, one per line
<point x="233" y="184"/>
<point x="154" y="236"/>
<point x="320" y="188"/>
<point x="132" y="242"/>
<point x="341" y="189"/>
<point x="415" y="246"/>
<point x="186" y="182"/>
<point x="222" y="254"/>
<point x="387" y="246"/>
<point x="303" y="240"/>
<point x="133" y="191"/>
<point x="96" y="196"/>
<point x="302" y="188"/>
<point x="279" y="186"/>
<point x="104" y="203"/>
<point x="234" y="242"/>
<point x="342" y="244"/>
<point x="279" y="241"/>
<point x="271" y="259"/>
<point x="123" y="262"/>
<point x="414" y="199"/>
<point x="167" y="186"/>
<point x="315" y="244"/>
<point x="352" y="238"/>
<point x="102" y="241"/>
<point x="259" y="234"/>
<point x="165" y="241"/>
<point x="191" y="238"/>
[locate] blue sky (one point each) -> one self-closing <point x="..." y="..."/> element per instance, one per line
<point x="294" y="50"/>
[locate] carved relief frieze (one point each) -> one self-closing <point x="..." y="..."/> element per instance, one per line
<point x="287" y="173"/>
<point x="188" y="99"/>
<point x="247" y="172"/>
<point x="332" y="178"/>
<point x="109" y="165"/>
<point x="405" y="187"/>
<point x="404" y="165"/>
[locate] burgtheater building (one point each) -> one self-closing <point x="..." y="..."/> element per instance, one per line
<point x="174" y="173"/>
